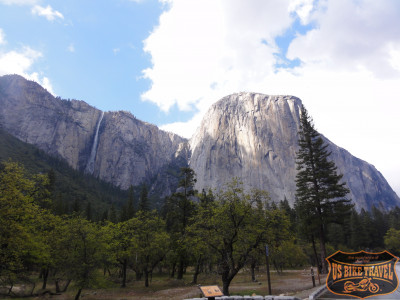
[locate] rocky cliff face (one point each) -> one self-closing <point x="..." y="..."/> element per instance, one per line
<point x="254" y="137"/>
<point x="246" y="135"/>
<point x="115" y="146"/>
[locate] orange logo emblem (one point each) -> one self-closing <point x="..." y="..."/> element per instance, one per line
<point x="362" y="274"/>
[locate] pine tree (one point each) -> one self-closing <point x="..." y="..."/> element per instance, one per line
<point x="179" y="209"/>
<point x="320" y="194"/>
<point x="144" y="199"/>
<point x="130" y="211"/>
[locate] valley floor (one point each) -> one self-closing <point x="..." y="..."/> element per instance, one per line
<point x="291" y="282"/>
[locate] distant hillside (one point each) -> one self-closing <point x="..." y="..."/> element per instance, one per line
<point x="71" y="187"/>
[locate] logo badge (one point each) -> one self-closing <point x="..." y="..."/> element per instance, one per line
<point x="362" y="274"/>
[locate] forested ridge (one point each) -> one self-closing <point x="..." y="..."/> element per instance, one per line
<point x="62" y="230"/>
<point x="71" y="190"/>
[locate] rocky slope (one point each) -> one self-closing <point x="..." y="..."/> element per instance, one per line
<point x="254" y="137"/>
<point x="115" y="146"/>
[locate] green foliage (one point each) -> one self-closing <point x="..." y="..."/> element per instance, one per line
<point x="80" y="251"/>
<point x="150" y="242"/>
<point x="288" y="254"/>
<point x="20" y="216"/>
<point x="223" y="230"/>
<point x="232" y="227"/>
<point x="64" y="185"/>
<point x="392" y="240"/>
<point x="178" y="210"/>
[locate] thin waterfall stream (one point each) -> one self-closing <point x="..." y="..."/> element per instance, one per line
<point x="90" y="165"/>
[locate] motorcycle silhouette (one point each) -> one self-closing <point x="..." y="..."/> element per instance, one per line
<point x="362" y="286"/>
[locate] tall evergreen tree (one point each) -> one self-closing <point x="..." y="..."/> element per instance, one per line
<point x="144" y="204"/>
<point x="319" y="190"/>
<point x="130" y="211"/>
<point x="179" y="209"/>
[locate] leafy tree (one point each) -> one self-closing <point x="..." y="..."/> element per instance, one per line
<point x="278" y="232"/>
<point x="119" y="239"/>
<point x="288" y="254"/>
<point x="232" y="228"/>
<point x="320" y="197"/>
<point x="199" y="250"/>
<point x="80" y="250"/>
<point x="392" y="240"/>
<point x="150" y="241"/>
<point x="20" y="216"/>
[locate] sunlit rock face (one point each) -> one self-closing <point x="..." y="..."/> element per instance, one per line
<point x="254" y="137"/>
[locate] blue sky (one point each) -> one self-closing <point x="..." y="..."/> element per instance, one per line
<point x="92" y="51"/>
<point x="167" y="61"/>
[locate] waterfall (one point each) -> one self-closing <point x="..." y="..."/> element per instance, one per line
<point x="90" y="165"/>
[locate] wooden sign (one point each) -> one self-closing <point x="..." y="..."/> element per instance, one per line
<point x="211" y="291"/>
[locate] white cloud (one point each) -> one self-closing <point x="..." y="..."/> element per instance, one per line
<point x="20" y="62"/>
<point x="2" y="37"/>
<point x="351" y="35"/>
<point x="302" y="8"/>
<point x="394" y="53"/>
<point x="203" y="49"/>
<point x="48" y="12"/>
<point x="348" y="77"/>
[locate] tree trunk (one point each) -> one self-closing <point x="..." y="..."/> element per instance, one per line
<point x="196" y="271"/>
<point x="45" y="276"/>
<point x="58" y="290"/>
<point x="57" y="286"/>
<point x="324" y="265"/>
<point x="316" y="254"/>
<point x="173" y="270"/>
<point x="226" y="281"/>
<point x="66" y="286"/>
<point x="276" y="266"/>
<point x="181" y="268"/>
<point x="253" y="268"/>
<point x="33" y="288"/>
<point x="146" y="278"/>
<point x="78" y="294"/>
<point x="124" y="266"/>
